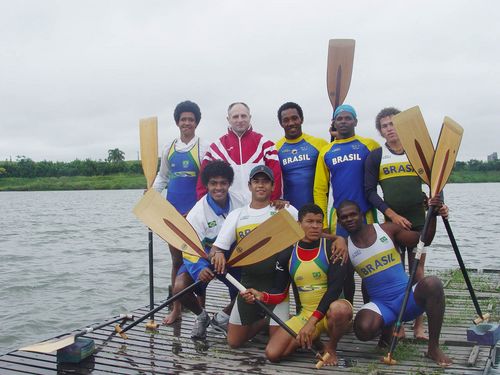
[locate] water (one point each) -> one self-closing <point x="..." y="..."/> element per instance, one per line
<point x="69" y="259"/>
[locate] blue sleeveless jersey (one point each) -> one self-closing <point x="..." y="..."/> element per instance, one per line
<point x="298" y="164"/>
<point x="183" y="175"/>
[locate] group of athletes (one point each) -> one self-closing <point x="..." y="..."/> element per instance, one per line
<point x="228" y="188"/>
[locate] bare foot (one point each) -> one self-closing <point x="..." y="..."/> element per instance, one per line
<point x="439" y="357"/>
<point x="419" y="330"/>
<point x="173" y="316"/>
<point x="330" y="355"/>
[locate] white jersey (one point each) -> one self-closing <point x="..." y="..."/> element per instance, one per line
<point x="206" y="222"/>
<point x="242" y="221"/>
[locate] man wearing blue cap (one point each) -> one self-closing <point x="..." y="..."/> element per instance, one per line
<point x="341" y="165"/>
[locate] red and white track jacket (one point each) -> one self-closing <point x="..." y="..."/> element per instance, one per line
<point x="243" y="154"/>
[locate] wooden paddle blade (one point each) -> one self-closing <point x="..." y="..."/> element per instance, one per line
<point x="272" y="236"/>
<point x="50" y="346"/>
<point x="163" y="219"/>
<point x="149" y="148"/>
<point x="446" y="154"/>
<point x="416" y="141"/>
<point x="339" y="69"/>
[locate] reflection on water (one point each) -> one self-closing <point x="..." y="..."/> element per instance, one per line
<point x="71" y="258"/>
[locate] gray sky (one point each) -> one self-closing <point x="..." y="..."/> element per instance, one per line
<point x="76" y="76"/>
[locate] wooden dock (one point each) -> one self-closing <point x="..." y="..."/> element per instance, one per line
<point x="172" y="351"/>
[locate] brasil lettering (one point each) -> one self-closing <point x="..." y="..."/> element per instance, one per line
<point x="295" y="159"/>
<point x="401" y="168"/>
<point x="376" y="265"/>
<point x="343" y="159"/>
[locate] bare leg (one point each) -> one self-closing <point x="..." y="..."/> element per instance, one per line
<point x="339" y="318"/>
<point x="429" y="294"/>
<point x="189" y="300"/>
<point x="280" y="345"/>
<point x="367" y="325"/>
<point x="238" y="335"/>
<point x="418" y="327"/>
<point x="176" y="264"/>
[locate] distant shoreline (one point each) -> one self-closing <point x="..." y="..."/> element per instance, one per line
<point x="137" y="181"/>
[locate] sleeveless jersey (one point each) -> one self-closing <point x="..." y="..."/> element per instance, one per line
<point x="379" y="266"/>
<point x="311" y="276"/>
<point x="402" y="187"/>
<point x="298" y="164"/>
<point x="183" y="174"/>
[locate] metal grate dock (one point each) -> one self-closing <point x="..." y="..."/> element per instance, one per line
<point x="171" y="351"/>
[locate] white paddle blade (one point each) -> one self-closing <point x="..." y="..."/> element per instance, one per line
<point x="446" y="154"/>
<point x="163" y="219"/>
<point x="416" y="141"/>
<point x="50" y="346"/>
<point x="339" y="69"/>
<point x="272" y="236"/>
<point x="149" y="148"/>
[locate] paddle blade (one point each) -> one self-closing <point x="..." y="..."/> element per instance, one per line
<point x="339" y="69"/>
<point x="163" y="219"/>
<point x="416" y="141"/>
<point x="272" y="236"/>
<point x="50" y="346"/>
<point x="446" y="154"/>
<point x="149" y="148"/>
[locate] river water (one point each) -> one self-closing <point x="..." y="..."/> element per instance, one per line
<point x="69" y="259"/>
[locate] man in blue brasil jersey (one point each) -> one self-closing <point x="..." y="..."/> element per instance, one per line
<point x="377" y="261"/>
<point x="298" y="153"/>
<point x="341" y="166"/>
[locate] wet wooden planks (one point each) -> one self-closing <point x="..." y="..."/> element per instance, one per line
<point x="171" y="351"/>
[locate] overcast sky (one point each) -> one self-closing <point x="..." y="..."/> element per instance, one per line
<point x="76" y="76"/>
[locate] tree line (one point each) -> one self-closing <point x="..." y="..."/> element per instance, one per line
<point x="25" y="167"/>
<point x="114" y="164"/>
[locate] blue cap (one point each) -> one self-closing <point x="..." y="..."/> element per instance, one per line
<point x="262" y="169"/>
<point x="345" y="108"/>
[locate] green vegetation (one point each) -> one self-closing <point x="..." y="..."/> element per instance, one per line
<point x="115" y="173"/>
<point x="117" y="181"/>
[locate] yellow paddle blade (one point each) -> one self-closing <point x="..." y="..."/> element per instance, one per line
<point x="339" y="69"/>
<point x="416" y="141"/>
<point x="446" y="154"/>
<point x="149" y="148"/>
<point x="50" y="346"/>
<point x="272" y="236"/>
<point x="163" y="219"/>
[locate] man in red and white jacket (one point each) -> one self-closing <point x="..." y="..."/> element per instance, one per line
<point x="243" y="149"/>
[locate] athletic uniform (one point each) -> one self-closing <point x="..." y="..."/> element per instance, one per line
<point x="384" y="277"/>
<point x="317" y="282"/>
<point x="341" y="164"/>
<point x="207" y="217"/>
<point x="243" y="154"/>
<point x="179" y="169"/>
<point x="259" y="276"/>
<point x="400" y="184"/>
<point x="298" y="163"/>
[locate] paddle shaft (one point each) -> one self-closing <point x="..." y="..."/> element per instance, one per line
<point x="151" y="274"/>
<point x="268" y="311"/>
<point x="462" y="267"/>
<point x="102" y="325"/>
<point x="409" y="285"/>
<point x="163" y="305"/>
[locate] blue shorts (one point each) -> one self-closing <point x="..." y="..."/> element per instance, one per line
<point x="389" y="309"/>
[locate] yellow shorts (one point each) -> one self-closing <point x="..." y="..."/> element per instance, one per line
<point x="298" y="321"/>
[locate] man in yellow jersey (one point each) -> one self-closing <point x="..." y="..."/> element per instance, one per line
<point x="298" y="154"/>
<point x="341" y="166"/>
<point x="318" y="283"/>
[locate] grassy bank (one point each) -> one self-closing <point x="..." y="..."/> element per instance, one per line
<point x="475" y="176"/>
<point x="137" y="181"/>
<point x="111" y="182"/>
